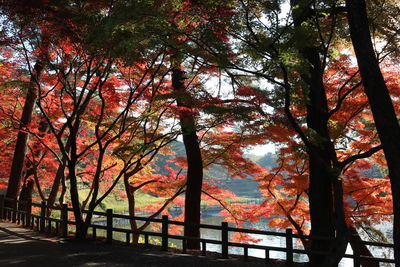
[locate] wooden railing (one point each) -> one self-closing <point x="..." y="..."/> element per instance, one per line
<point x="60" y="226"/>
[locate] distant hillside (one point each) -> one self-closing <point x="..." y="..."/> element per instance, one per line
<point x="242" y="187"/>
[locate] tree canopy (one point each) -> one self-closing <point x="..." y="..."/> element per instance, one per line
<point x="96" y="94"/>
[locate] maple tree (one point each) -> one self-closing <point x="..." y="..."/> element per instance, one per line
<point x="380" y="102"/>
<point x="26" y="116"/>
<point x="116" y="82"/>
<point x="69" y="123"/>
<point x="286" y="186"/>
<point x="317" y="141"/>
<point x="89" y="77"/>
<point x="297" y="70"/>
<point x="188" y="22"/>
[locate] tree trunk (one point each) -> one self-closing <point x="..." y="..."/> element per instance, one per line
<point x="321" y="200"/>
<point x="81" y="227"/>
<point x="325" y="194"/>
<point x="32" y="166"/>
<point x="82" y="224"/>
<point x="61" y="199"/>
<point x="56" y="185"/>
<point x="14" y="181"/>
<point x="131" y="206"/>
<point x="25" y="197"/>
<point x="194" y="160"/>
<point x="381" y="105"/>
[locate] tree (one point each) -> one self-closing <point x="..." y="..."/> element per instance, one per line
<point x="381" y="104"/>
<point x="293" y="57"/>
<point x="120" y="80"/>
<point x="193" y="155"/>
<point x="296" y="67"/>
<point x="188" y="21"/>
<point x="29" y="17"/>
<point x="92" y="130"/>
<point x="14" y="181"/>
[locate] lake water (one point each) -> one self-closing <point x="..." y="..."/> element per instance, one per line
<point x="264" y="240"/>
<point x="273" y="241"/>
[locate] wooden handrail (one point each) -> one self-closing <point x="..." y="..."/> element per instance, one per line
<point x="62" y="223"/>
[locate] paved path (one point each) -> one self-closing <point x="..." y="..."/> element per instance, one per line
<point x="22" y="247"/>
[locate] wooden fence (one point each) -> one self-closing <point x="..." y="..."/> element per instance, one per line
<point x="60" y="226"/>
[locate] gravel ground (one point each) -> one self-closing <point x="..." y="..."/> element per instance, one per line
<point x="23" y="247"/>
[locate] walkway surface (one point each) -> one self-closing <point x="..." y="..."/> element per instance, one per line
<point x="23" y="247"/>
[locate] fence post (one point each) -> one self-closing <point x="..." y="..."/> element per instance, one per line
<point x="184" y="247"/>
<point x="203" y="248"/>
<point x="224" y="239"/>
<point x="356" y="252"/>
<point x="18" y="215"/>
<point x="164" y="233"/>
<point x="28" y="213"/>
<point x="64" y="220"/>
<point x="94" y="234"/>
<point x="42" y="216"/>
<point x="1" y="206"/>
<point x="14" y="212"/>
<point x="289" y="246"/>
<point x="267" y="255"/>
<point x="109" y="226"/>
<point x="49" y="227"/>
<point x="246" y="253"/>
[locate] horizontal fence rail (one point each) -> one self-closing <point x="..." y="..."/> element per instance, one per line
<point x="43" y="223"/>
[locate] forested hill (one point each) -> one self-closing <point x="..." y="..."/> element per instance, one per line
<point x="242" y="187"/>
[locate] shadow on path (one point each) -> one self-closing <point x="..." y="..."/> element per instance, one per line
<point x="26" y="236"/>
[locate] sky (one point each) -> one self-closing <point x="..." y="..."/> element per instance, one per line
<point x="261" y="149"/>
